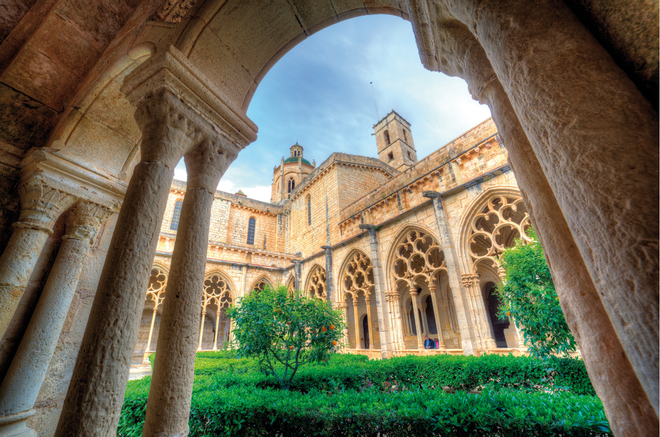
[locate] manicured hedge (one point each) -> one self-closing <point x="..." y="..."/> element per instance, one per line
<point x="353" y="396"/>
<point x="458" y="372"/>
<point x="246" y="411"/>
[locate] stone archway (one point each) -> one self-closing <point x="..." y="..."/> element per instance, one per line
<point x="418" y="270"/>
<point x="357" y="284"/>
<point x="316" y="285"/>
<point x="218" y="296"/>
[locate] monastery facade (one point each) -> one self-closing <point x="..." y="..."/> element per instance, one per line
<point x="406" y="248"/>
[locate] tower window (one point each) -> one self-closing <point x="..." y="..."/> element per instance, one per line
<point x="409" y="156"/>
<point x="309" y="210"/>
<point x="176" y="215"/>
<point x="292" y="185"/>
<point x="405" y="137"/>
<point x="386" y="135"/>
<point x="252" y="224"/>
<point x="390" y="156"/>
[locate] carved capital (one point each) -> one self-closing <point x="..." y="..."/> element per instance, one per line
<point x="85" y="220"/>
<point x="208" y="161"/>
<point x="41" y="204"/>
<point x="192" y="103"/>
<point x="470" y="280"/>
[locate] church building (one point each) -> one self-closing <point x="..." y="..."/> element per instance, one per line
<point x="406" y="248"/>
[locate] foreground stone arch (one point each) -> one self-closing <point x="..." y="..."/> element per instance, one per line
<point x="261" y="283"/>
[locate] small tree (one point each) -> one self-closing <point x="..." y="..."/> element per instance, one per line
<point x="285" y="331"/>
<point x="528" y="294"/>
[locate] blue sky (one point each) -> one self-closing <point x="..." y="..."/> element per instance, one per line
<point x="319" y="95"/>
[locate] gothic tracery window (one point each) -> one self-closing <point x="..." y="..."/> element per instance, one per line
<point x="316" y="286"/>
<point x="309" y="210"/>
<point x="157" y="284"/>
<point x="495" y="227"/>
<point x="291" y="185"/>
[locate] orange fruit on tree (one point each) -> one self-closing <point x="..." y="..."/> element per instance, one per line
<point x="288" y="323"/>
<point x="332" y="327"/>
<point x="323" y="329"/>
<point x="290" y="347"/>
<point x="334" y="343"/>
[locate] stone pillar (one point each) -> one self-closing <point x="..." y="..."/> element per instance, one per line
<point x="384" y="325"/>
<point x="612" y="375"/>
<point x="356" y="321"/>
<point x="418" y="325"/>
<point x="201" y="329"/>
<point x="394" y="313"/>
<point x="477" y="309"/>
<point x="329" y="280"/>
<point x="297" y="274"/>
<point x="169" y="95"/>
<point x="436" y="313"/>
<point x="596" y="139"/>
<point x="344" y="306"/>
<point x="29" y="366"/>
<point x="168" y="405"/>
<point x="466" y="322"/>
<point x="41" y="205"/>
<point x="370" y="322"/>
<point x="145" y="358"/>
<point x="217" y="327"/>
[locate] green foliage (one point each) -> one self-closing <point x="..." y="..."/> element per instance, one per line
<point x="285" y="331"/>
<point x="350" y="396"/>
<point x="528" y="295"/>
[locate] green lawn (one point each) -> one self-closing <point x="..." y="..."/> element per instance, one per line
<point x="408" y="396"/>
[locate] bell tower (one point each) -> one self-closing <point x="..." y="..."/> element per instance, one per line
<point x="395" y="142"/>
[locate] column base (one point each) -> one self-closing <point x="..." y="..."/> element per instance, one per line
<point x="16" y="425"/>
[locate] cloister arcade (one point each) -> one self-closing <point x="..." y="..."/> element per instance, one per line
<point x="571" y="87"/>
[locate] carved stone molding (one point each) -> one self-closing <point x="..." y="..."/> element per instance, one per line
<point x="85" y="220"/>
<point x="170" y="73"/>
<point x="41" y="204"/>
<point x="470" y="280"/>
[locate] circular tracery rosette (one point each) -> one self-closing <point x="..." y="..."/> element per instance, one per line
<point x="418" y="256"/>
<point x="496" y="227"/>
<point x="216" y="291"/>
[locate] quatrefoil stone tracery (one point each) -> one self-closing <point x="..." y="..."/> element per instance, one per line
<point x="495" y="228"/>
<point x="317" y="283"/>
<point x="216" y="291"/>
<point x="417" y="256"/>
<point x="358" y="275"/>
<point x="156" y="288"/>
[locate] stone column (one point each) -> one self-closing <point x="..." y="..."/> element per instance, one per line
<point x="217" y="327"/>
<point x="436" y="313"/>
<point x="145" y="358"/>
<point x="393" y="299"/>
<point x="418" y="325"/>
<point x="297" y="273"/>
<point x="29" y="366"/>
<point x="628" y="410"/>
<point x="201" y="330"/>
<point x="168" y="405"/>
<point x="478" y="311"/>
<point x="169" y="94"/>
<point x="384" y="325"/>
<point x="466" y="322"/>
<point x="596" y="139"/>
<point x="370" y="322"/>
<point x="41" y="205"/>
<point x="329" y="280"/>
<point x="356" y="321"/>
<point x="344" y="306"/>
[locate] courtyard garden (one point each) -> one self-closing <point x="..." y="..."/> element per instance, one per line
<point x="284" y="377"/>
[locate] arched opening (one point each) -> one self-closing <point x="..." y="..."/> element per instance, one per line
<point x="252" y="225"/>
<point x="215" y="326"/>
<point x="386" y="136"/>
<point x="494" y="304"/>
<point x="316" y="286"/>
<point x="365" y="330"/>
<point x="430" y="315"/>
<point x="291" y="185"/>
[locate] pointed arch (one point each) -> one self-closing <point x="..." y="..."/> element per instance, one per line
<point x="356" y="274"/>
<point x="415" y="254"/>
<point x="261" y="282"/>
<point x="490" y="224"/>
<point x="218" y="290"/>
<point x="157" y="284"/>
<point x="315" y="284"/>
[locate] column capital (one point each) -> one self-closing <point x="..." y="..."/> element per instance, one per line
<point x="208" y="161"/>
<point x="41" y="204"/>
<point x="178" y="107"/>
<point x="85" y="220"/>
<point x="470" y="279"/>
